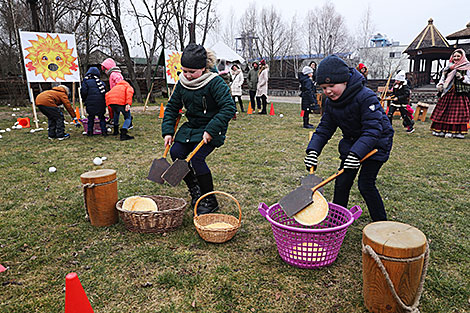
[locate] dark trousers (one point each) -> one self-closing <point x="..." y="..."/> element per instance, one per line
<point x="252" y="99"/>
<point x="198" y="162"/>
<point x="404" y="115"/>
<point x="91" y="122"/>
<point x="55" y="119"/>
<point x="240" y="102"/>
<point x="117" y="109"/>
<point x="265" y="103"/>
<point x="366" y="183"/>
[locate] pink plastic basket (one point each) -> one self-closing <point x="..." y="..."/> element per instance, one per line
<point x="309" y="246"/>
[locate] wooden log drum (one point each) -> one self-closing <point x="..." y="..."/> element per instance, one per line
<point x="394" y="263"/>
<point x="101" y="196"/>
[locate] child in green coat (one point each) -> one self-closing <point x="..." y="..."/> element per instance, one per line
<point x="209" y="108"/>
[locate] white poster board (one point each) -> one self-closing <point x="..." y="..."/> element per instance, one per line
<point x="172" y="66"/>
<point x="50" y="57"/>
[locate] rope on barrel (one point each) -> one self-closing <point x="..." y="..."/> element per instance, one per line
<point x="93" y="185"/>
<point x="377" y="258"/>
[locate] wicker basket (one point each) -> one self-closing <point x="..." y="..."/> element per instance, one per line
<point x="168" y="217"/>
<point x="221" y="234"/>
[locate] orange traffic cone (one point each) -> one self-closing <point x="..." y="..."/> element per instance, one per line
<point x="271" y="112"/>
<point x="24" y="122"/>
<point x="250" y="110"/>
<point x="77" y="113"/>
<point x="162" y="111"/>
<point x="76" y="300"/>
<point x="302" y="113"/>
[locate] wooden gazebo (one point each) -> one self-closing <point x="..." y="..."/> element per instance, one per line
<point x="461" y="35"/>
<point x="427" y="47"/>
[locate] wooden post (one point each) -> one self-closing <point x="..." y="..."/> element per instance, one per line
<point x="31" y="98"/>
<point x="148" y="96"/>
<point x="407" y="246"/>
<point x="73" y="96"/>
<point x="82" y="110"/>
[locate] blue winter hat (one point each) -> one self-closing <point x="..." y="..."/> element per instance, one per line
<point x="332" y="70"/>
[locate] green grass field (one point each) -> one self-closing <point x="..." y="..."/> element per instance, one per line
<point x="44" y="236"/>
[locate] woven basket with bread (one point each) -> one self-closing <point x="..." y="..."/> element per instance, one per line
<point x="151" y="214"/>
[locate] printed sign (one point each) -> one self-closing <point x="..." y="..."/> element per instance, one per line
<point x="172" y="66"/>
<point x="50" y="57"/>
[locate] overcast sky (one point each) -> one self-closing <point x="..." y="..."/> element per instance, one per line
<point x="400" y="20"/>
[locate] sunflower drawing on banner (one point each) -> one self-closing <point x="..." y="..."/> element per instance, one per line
<point x="50" y="57"/>
<point x="172" y="66"/>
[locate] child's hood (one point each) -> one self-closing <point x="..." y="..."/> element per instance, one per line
<point x="355" y="84"/>
<point x="93" y="71"/>
<point x="108" y="64"/>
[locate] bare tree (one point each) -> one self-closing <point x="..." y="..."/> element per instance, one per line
<point x="329" y="30"/>
<point x="249" y="24"/>
<point x="272" y="33"/>
<point x="112" y="10"/>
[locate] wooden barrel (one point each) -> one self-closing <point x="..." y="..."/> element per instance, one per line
<point x="100" y="192"/>
<point x="407" y="246"/>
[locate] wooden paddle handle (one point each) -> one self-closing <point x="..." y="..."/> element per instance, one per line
<point x="341" y="171"/>
<point x="167" y="148"/>
<point x="195" y="151"/>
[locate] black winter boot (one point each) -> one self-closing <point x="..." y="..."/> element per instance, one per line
<point x="209" y="204"/>
<point x="193" y="187"/>
<point x="306" y="119"/>
<point x="116" y="130"/>
<point x="124" y="135"/>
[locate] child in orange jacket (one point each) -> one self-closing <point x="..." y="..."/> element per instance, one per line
<point x="119" y="99"/>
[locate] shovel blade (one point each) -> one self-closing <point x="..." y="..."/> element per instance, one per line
<point x="311" y="181"/>
<point x="176" y="172"/>
<point x="159" y="166"/>
<point x="296" y="200"/>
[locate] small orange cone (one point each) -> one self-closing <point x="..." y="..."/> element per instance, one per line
<point x="24" y="122"/>
<point x="76" y="300"/>
<point x="162" y="111"/>
<point x="250" y="110"/>
<point x="302" y="113"/>
<point x="77" y="113"/>
<point x="271" y="112"/>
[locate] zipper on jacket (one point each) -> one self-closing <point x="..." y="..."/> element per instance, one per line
<point x="204" y="104"/>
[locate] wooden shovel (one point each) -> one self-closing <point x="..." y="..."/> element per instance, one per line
<point x="301" y="197"/>
<point x="178" y="170"/>
<point x="159" y="166"/>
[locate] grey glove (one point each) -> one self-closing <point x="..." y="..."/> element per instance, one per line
<point x="311" y="159"/>
<point x="440" y="88"/>
<point x="352" y="162"/>
<point x="459" y="76"/>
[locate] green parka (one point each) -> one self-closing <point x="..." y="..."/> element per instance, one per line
<point x="209" y="108"/>
<point x="252" y="79"/>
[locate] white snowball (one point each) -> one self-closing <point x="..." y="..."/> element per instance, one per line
<point x="281" y="115"/>
<point x="13" y="114"/>
<point x="104" y="158"/>
<point x="2" y="130"/>
<point x="40" y="128"/>
<point x="97" y="161"/>
<point x="16" y="123"/>
<point x="109" y="130"/>
<point x="1" y="136"/>
<point x="19" y="127"/>
<point x="52" y="169"/>
<point x="8" y="130"/>
<point x="32" y="131"/>
<point x="66" y="123"/>
<point x="44" y="122"/>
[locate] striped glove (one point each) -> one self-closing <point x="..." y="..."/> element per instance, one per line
<point x="352" y="162"/>
<point x="311" y="159"/>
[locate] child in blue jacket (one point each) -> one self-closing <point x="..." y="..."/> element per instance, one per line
<point x="93" y="94"/>
<point x="356" y="110"/>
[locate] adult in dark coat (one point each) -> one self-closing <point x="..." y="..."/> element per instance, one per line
<point x="93" y="92"/>
<point x="356" y="110"/>
<point x="252" y="82"/>
<point x="308" y="94"/>
<point x="209" y="108"/>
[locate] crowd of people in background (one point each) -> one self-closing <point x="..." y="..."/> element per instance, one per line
<point x="449" y="118"/>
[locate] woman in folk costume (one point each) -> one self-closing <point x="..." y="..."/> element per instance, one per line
<point x="262" y="88"/>
<point x="452" y="112"/>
